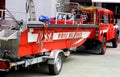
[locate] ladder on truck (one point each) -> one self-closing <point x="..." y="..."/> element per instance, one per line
<point x="31" y="10"/>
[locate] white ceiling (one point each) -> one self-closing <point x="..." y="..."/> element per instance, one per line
<point x="107" y="1"/>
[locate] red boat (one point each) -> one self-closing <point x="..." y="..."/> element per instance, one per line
<point x="59" y="34"/>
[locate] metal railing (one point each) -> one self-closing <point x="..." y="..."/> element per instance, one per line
<point x="64" y="16"/>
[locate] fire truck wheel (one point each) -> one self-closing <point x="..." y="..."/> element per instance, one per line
<point x="55" y="69"/>
<point x="115" y="42"/>
<point x="102" y="47"/>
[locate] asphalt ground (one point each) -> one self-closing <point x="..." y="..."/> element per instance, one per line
<point x="81" y="64"/>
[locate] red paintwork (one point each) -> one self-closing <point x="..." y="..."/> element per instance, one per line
<point x="26" y="48"/>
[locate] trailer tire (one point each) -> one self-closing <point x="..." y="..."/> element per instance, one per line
<point x="115" y="42"/>
<point x="101" y="48"/>
<point x="55" y="69"/>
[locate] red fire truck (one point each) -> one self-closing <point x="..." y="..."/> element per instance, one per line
<point x="51" y="39"/>
<point x="100" y="22"/>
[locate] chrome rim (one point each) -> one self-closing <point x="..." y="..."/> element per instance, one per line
<point x="58" y="63"/>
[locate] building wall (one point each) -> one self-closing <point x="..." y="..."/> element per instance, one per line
<point x="42" y="7"/>
<point x="45" y="7"/>
<point x="17" y="8"/>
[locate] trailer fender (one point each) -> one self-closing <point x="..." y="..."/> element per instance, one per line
<point x="53" y="56"/>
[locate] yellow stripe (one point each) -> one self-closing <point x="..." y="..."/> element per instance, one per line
<point x="87" y="8"/>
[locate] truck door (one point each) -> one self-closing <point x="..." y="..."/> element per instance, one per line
<point x="111" y="30"/>
<point x="106" y="25"/>
<point x="112" y="33"/>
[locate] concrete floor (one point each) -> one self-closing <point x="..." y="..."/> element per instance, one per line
<point x="82" y="64"/>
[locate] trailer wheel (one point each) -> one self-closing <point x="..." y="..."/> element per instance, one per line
<point x="115" y="42"/>
<point x="101" y="48"/>
<point x="55" y="69"/>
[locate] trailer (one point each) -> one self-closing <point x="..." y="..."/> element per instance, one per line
<point x="23" y="46"/>
<point x="51" y="39"/>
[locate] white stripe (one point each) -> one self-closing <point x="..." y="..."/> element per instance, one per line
<point x="32" y="37"/>
<point x="103" y="31"/>
<point x="84" y="36"/>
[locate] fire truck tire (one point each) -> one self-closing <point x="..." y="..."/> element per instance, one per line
<point x="55" y="69"/>
<point x="102" y="47"/>
<point x="115" y="42"/>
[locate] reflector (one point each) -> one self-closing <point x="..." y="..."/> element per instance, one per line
<point x="4" y="65"/>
